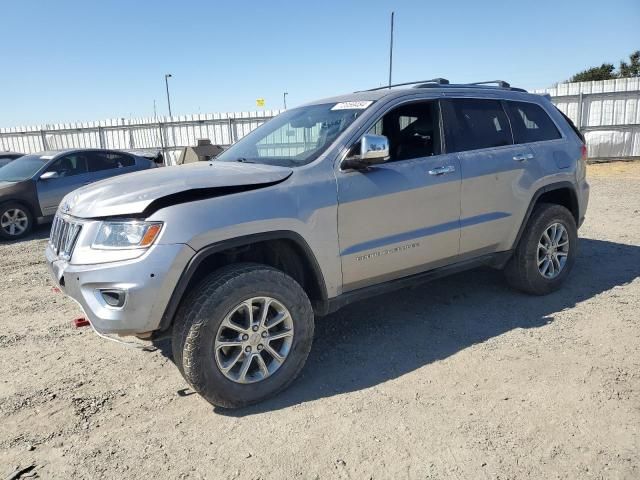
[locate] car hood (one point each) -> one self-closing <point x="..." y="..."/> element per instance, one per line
<point x="139" y="192"/>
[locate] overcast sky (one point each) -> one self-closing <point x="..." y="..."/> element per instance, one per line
<point x="69" y="61"/>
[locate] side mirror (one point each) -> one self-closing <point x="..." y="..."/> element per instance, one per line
<point x="49" y="175"/>
<point x="374" y="149"/>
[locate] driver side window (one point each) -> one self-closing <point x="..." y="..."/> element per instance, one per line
<point x="69" y="165"/>
<point x="413" y="130"/>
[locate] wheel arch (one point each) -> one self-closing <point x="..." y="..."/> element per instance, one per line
<point x="559" y="193"/>
<point x="26" y="194"/>
<point x="20" y="202"/>
<point x="285" y="250"/>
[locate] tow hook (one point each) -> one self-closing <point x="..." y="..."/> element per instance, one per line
<point x="80" y="322"/>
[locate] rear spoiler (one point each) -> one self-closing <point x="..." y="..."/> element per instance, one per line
<point x="545" y="95"/>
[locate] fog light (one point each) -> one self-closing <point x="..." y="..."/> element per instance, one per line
<point x="114" y="297"/>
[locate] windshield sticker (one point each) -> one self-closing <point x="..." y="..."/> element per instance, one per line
<point x="47" y="157"/>
<point x="361" y="105"/>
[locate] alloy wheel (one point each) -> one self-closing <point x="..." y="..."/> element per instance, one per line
<point x="553" y="250"/>
<point x="254" y="340"/>
<point x="14" y="221"/>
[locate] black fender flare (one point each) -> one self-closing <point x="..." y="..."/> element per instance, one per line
<point x="205" y="252"/>
<point x="536" y="196"/>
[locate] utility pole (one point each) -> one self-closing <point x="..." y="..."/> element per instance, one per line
<point x="391" y="50"/>
<point x="284" y="99"/>
<point x="155" y="112"/>
<point x="166" y="84"/>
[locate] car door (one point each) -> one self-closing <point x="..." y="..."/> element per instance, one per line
<point x="71" y="173"/>
<point x="492" y="172"/>
<point x="400" y="217"/>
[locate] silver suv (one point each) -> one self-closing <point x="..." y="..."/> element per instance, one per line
<point x="324" y="205"/>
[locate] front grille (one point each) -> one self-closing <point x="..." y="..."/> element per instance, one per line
<point x="64" y="234"/>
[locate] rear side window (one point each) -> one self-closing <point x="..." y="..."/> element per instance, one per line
<point x="109" y="161"/>
<point x="530" y="123"/>
<point x="471" y="124"/>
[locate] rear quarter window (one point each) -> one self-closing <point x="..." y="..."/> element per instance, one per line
<point x="109" y="161"/>
<point x="530" y="123"/>
<point x="572" y="125"/>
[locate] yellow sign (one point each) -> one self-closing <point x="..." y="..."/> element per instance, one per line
<point x="260" y="102"/>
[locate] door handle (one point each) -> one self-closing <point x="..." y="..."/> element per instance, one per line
<point x="442" y="170"/>
<point x="523" y="156"/>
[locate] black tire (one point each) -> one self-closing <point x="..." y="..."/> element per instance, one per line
<point x="8" y="206"/>
<point x="522" y="270"/>
<point x="201" y="314"/>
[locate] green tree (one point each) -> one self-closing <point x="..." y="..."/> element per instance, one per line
<point x="603" y="72"/>
<point x="631" y="69"/>
<point x="607" y="71"/>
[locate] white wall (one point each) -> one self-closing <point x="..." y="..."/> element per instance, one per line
<point x="607" y="112"/>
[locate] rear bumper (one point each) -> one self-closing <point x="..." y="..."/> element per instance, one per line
<point x="147" y="282"/>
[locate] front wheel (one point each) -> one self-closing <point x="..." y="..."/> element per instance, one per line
<point x="16" y="221"/>
<point x="546" y="252"/>
<point x="243" y="334"/>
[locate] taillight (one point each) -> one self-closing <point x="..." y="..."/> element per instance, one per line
<point x="583" y="151"/>
<point x="581" y="170"/>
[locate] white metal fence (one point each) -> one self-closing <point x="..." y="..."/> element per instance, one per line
<point x="607" y="112"/>
<point x="168" y="135"/>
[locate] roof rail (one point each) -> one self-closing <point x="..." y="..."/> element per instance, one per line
<point x="433" y="81"/>
<point x="418" y="84"/>
<point x="500" y="83"/>
<point x="443" y="82"/>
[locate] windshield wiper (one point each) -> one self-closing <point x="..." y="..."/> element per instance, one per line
<point x="243" y="160"/>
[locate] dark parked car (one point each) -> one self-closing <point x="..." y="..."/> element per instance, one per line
<point x="8" y="157"/>
<point x="32" y="186"/>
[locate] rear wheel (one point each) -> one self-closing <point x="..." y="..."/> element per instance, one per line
<point x="546" y="252"/>
<point x="16" y="221"/>
<point x="243" y="335"/>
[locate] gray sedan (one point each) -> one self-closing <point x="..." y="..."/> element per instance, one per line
<point x="32" y="186"/>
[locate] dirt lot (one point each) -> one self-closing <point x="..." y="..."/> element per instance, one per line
<point x="463" y="378"/>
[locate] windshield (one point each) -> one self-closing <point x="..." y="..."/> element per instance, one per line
<point x="21" y="168"/>
<point x="296" y="137"/>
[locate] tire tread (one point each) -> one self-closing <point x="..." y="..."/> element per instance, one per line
<point x="521" y="271"/>
<point x="191" y="318"/>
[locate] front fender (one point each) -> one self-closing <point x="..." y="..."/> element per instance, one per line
<point x="203" y="254"/>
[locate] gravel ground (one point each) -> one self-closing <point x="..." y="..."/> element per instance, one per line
<point x="462" y="378"/>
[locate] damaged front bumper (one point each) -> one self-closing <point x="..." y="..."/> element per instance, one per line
<point x="123" y="297"/>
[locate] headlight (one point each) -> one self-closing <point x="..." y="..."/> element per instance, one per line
<point x="124" y="235"/>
